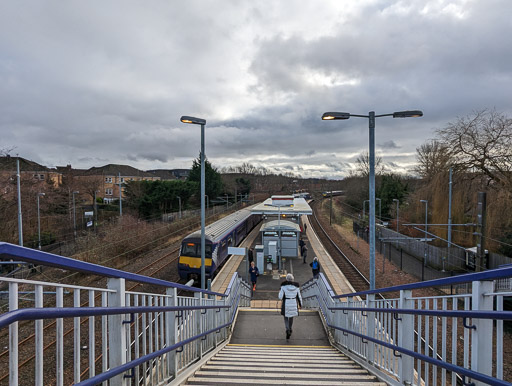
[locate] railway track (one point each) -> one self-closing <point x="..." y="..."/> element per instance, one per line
<point x="356" y="278"/>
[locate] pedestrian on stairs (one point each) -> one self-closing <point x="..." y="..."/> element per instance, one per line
<point x="254" y="272"/>
<point x="291" y="301"/>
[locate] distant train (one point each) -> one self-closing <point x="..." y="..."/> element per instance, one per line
<point x="226" y="232"/>
<point x="333" y="193"/>
<point x="304" y="195"/>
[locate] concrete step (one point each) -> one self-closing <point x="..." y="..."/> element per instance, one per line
<point x="253" y="365"/>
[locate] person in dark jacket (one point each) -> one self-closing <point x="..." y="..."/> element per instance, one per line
<point x="291" y="301"/>
<point x="304" y="253"/>
<point x="251" y="255"/>
<point x="315" y="267"/>
<point x="254" y="272"/>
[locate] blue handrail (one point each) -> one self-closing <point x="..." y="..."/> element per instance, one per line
<point x="136" y="362"/>
<point x="492" y="274"/>
<point x="34" y="256"/>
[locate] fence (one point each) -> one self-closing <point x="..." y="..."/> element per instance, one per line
<point x="421" y="340"/>
<point x="110" y="333"/>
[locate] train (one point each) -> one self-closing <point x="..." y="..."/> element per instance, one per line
<point x="333" y="193"/>
<point x="226" y="232"/>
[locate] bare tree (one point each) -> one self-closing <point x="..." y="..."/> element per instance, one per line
<point x="363" y="165"/>
<point x="433" y="157"/>
<point x="482" y="143"/>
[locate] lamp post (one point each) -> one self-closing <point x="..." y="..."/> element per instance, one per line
<point x="364" y="209"/>
<point x="179" y="202"/>
<point x="397" y="206"/>
<point x="39" y="221"/>
<point x="207" y="202"/>
<point x="371" y="119"/>
<point x="380" y="209"/>
<point x="426" y="228"/>
<point x="227" y="201"/>
<point x="202" y="122"/>
<point x="74" y="212"/>
<point x="330" y="211"/>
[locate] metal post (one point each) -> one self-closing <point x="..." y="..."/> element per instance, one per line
<point x="330" y="211"/>
<point x="371" y="125"/>
<point x="449" y="215"/>
<point x="426" y="230"/>
<point x="397" y="217"/>
<point x="380" y="209"/>
<point x="480" y="247"/>
<point x="95" y="208"/>
<point x="120" y="197"/>
<point x="203" y="272"/>
<point x="481" y="336"/>
<point x="207" y="202"/>
<point x="179" y="201"/>
<point x="74" y="213"/>
<point x="20" y="217"/>
<point x="39" y="221"/>
<point x="227" y="197"/>
<point x="116" y="328"/>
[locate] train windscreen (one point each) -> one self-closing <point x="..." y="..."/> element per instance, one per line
<point x="194" y="250"/>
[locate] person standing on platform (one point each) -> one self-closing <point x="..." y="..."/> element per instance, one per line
<point x="305" y="227"/>
<point x="301" y="245"/>
<point x="315" y="266"/>
<point x="254" y="272"/>
<point x="291" y="301"/>
<point x="251" y="255"/>
<point x="304" y="253"/>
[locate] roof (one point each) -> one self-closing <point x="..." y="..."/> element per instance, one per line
<point x="299" y="206"/>
<point x="114" y="170"/>
<point x="280" y="224"/>
<point x="9" y="163"/>
<point x="164" y="174"/>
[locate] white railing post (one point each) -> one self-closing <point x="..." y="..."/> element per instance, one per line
<point x="481" y="336"/>
<point x="199" y="342"/>
<point x="59" y="345"/>
<point x="370" y="323"/>
<point x="116" y="329"/>
<point x="171" y="332"/>
<point x="13" y="336"/>
<point x="39" y="337"/>
<point x="406" y="338"/>
<point x="76" y="339"/>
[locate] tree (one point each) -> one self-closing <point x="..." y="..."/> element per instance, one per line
<point x="433" y="157"/>
<point x="482" y="144"/>
<point x="391" y="187"/>
<point x="212" y="178"/>
<point x="363" y="165"/>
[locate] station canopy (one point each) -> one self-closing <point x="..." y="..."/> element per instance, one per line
<point x="287" y="205"/>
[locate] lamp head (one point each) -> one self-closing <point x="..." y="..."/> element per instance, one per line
<point x="76" y="192"/>
<point x="40" y="194"/>
<point x="193" y="120"/>
<point x="408" y="114"/>
<point x="424" y="201"/>
<point x="396" y="200"/>
<point x="335" y="115"/>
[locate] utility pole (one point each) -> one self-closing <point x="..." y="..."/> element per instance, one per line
<point x="449" y="216"/>
<point x="120" y="197"/>
<point x="480" y="247"/>
<point x="20" y="217"/>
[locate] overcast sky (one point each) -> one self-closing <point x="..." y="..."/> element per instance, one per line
<point x="89" y="83"/>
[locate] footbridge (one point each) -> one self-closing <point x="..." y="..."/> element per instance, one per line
<point x="108" y="334"/>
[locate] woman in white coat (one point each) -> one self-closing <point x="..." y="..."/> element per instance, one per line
<point x="291" y="301"/>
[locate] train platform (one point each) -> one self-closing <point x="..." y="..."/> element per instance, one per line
<point x="269" y="281"/>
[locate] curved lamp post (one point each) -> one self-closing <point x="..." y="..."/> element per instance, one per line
<point x="202" y="122"/>
<point x="371" y="118"/>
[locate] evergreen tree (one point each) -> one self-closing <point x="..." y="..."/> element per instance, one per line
<point x="212" y="178"/>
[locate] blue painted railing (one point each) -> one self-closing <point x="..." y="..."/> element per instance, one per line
<point x="148" y="337"/>
<point x="407" y="340"/>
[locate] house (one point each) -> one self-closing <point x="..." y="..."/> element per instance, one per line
<point x="105" y="180"/>
<point x="171" y="174"/>
<point x="28" y="170"/>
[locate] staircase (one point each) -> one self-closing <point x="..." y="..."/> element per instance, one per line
<point x="281" y="365"/>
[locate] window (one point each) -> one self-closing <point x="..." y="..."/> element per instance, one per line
<point x="108" y="192"/>
<point x="41" y="177"/>
<point x="122" y="179"/>
<point x="194" y="250"/>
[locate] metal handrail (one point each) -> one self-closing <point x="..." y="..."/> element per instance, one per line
<point x="34" y="256"/>
<point x="492" y="274"/>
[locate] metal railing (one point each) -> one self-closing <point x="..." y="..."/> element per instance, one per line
<point x="421" y="340"/>
<point x="128" y="337"/>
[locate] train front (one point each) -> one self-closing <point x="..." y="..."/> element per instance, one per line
<point x="189" y="262"/>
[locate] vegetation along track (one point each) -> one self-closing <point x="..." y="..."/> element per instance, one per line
<point x="353" y="275"/>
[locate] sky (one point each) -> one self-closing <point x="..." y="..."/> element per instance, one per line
<point x="89" y="83"/>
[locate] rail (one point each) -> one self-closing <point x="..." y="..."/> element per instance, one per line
<point x="457" y="335"/>
<point x="131" y="337"/>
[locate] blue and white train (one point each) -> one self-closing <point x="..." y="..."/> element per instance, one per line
<point x="226" y="232"/>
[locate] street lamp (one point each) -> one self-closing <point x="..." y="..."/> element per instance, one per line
<point x="371" y="118"/>
<point x="39" y="220"/>
<point x="380" y="209"/>
<point x="74" y="212"/>
<point x="397" y="206"/>
<point x="364" y="209"/>
<point x="179" y="201"/>
<point x="207" y="202"/>
<point x="426" y="228"/>
<point x="202" y="122"/>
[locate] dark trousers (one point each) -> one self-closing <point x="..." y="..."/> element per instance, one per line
<point x="288" y="323"/>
